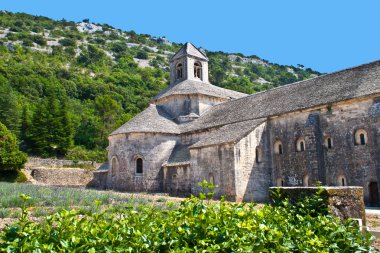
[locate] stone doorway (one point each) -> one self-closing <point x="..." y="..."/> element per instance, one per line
<point x="373" y="194"/>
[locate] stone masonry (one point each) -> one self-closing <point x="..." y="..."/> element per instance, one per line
<point x="325" y="129"/>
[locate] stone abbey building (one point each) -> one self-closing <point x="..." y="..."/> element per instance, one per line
<point x="323" y="129"/>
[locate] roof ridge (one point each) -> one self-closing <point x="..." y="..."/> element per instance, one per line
<point x="302" y="81"/>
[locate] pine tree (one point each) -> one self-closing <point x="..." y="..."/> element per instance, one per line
<point x="52" y="132"/>
<point x="9" y="110"/>
<point x="26" y="124"/>
<point x="39" y="132"/>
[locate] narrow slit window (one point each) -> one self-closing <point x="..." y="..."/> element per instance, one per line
<point x="258" y="155"/>
<point x="302" y="146"/>
<point x="329" y="143"/>
<point x="362" y="139"/>
<point x="278" y="148"/>
<point x="139" y="166"/>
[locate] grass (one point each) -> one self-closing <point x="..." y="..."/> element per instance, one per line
<point x="46" y="200"/>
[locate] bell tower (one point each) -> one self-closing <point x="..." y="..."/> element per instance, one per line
<point x="189" y="63"/>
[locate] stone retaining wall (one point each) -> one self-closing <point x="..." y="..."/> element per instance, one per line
<point x="61" y="177"/>
<point x="343" y="202"/>
<point x="40" y="162"/>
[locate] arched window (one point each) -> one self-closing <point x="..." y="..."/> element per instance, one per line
<point x="139" y="166"/>
<point x="342" y="181"/>
<point x="114" y="165"/>
<point x="278" y="148"/>
<point x="179" y="71"/>
<point x="300" y="145"/>
<point x="361" y="137"/>
<point x="280" y="182"/>
<point x="328" y="142"/>
<point x="198" y="70"/>
<point x="305" y="181"/>
<point x="258" y="155"/>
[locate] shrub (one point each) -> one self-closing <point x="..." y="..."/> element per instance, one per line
<point x="196" y="225"/>
<point x="68" y="42"/>
<point x="38" y="39"/>
<point x="13" y="176"/>
<point x="11" y="158"/>
<point x="142" y="55"/>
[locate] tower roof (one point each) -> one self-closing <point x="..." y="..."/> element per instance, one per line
<point x="189" y="49"/>
<point x="188" y="87"/>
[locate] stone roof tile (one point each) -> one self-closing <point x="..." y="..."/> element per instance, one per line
<point x="229" y="133"/>
<point x="189" y="49"/>
<point x="198" y="87"/>
<point x="151" y="120"/>
<point x="179" y="156"/>
<point x="351" y="83"/>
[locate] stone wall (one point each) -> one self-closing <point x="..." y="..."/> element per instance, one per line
<point x="177" y="180"/>
<point x="345" y="162"/>
<point x="61" y="177"/>
<point x="343" y="202"/>
<point x="124" y="150"/>
<point x="99" y="180"/>
<point x="57" y="163"/>
<point x="214" y="164"/>
<point x="252" y="175"/>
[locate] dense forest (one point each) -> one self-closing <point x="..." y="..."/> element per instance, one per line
<point x="64" y="86"/>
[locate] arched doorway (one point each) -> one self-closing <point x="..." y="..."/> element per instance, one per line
<point x="373" y="194"/>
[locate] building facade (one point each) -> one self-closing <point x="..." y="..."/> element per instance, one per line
<point x="325" y="129"/>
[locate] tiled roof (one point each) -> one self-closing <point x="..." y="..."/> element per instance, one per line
<point x="151" y="120"/>
<point x="198" y="87"/>
<point x="351" y="83"/>
<point x="229" y="133"/>
<point x="189" y="49"/>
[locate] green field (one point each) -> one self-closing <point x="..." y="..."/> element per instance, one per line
<point x="46" y="200"/>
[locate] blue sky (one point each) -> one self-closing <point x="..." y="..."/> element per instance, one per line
<point x="324" y="35"/>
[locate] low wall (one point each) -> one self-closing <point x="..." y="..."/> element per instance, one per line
<point x="50" y="162"/>
<point x="99" y="180"/>
<point x="343" y="202"/>
<point x="60" y="177"/>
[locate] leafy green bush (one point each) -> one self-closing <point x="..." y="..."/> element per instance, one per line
<point x="11" y="158"/>
<point x="68" y="42"/>
<point x="13" y="176"/>
<point x="142" y="55"/>
<point x="197" y="225"/>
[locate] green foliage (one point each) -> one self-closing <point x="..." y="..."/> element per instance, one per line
<point x="142" y="55"/>
<point x="68" y="42"/>
<point x="12" y="176"/>
<point x="80" y="153"/>
<point x="86" y="69"/>
<point x="195" y="226"/>
<point x="9" y="107"/>
<point x="11" y="158"/>
<point x="59" y="197"/>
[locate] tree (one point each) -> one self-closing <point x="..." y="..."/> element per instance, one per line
<point x="108" y="109"/>
<point x="11" y="158"/>
<point x="9" y="111"/>
<point x="26" y="124"/>
<point x="52" y="131"/>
